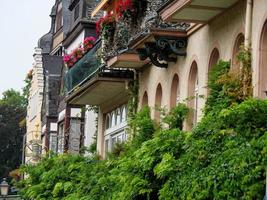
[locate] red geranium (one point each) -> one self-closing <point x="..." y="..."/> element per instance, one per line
<point x="124" y="7"/>
<point x="88" y="43"/>
<point x="107" y="20"/>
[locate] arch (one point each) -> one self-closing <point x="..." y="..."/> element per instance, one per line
<point x="214" y="58"/>
<point x="240" y="39"/>
<point x="158" y="101"/>
<point x="193" y="94"/>
<point x="145" y="99"/>
<point x="263" y="62"/>
<point x="175" y="91"/>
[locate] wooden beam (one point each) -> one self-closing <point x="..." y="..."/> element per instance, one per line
<point x="99" y="7"/>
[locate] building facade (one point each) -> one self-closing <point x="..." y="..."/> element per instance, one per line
<point x="167" y="48"/>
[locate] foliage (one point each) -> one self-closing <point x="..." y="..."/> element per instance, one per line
<point x="223" y="157"/>
<point x="12" y="112"/>
<point x="106" y="25"/>
<point x="177" y="116"/>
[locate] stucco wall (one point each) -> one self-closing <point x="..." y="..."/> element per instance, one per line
<point x="259" y="18"/>
<point x="220" y="33"/>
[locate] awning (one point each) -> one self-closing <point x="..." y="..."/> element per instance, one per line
<point x="194" y="11"/>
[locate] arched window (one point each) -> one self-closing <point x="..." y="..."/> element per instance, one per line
<point x="124" y="114"/>
<point x="113" y="119"/>
<point x="118" y="116"/>
<point x="214" y="58"/>
<point x="145" y="100"/>
<point x="107" y="121"/>
<point x="158" y="100"/>
<point x="193" y="94"/>
<point x="238" y="43"/>
<point x="175" y="91"/>
<point x="263" y="63"/>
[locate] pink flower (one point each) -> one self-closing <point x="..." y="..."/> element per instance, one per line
<point x="89" y="40"/>
<point x="66" y="58"/>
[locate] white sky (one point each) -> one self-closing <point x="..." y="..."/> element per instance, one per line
<point x="22" y="23"/>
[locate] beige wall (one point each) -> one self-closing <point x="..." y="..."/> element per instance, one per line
<point x="220" y="33"/>
<point x="259" y="17"/>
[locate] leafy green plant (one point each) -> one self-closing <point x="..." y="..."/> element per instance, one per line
<point x="223" y="157"/>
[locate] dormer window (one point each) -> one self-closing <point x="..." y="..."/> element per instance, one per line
<point x="76" y="12"/>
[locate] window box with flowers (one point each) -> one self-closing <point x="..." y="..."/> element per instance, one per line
<point x="78" y="53"/>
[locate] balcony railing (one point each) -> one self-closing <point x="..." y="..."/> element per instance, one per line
<point x="85" y="68"/>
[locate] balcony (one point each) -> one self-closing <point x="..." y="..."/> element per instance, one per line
<point x="84" y="69"/>
<point x="130" y="41"/>
<point x="194" y="11"/>
<point x="103" y="89"/>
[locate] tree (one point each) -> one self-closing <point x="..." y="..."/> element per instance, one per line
<point x="12" y="112"/>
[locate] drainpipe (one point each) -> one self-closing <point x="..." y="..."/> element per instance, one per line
<point x="248" y="23"/>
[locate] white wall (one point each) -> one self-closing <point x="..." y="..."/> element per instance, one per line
<point x="90" y="127"/>
<point x="76" y="43"/>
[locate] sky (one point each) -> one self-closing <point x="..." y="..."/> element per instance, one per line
<point x="22" y="23"/>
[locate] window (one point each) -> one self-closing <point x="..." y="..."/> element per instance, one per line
<point x="118" y="116"/>
<point x="59" y="17"/>
<point x="53" y="142"/>
<point x="113" y="119"/>
<point x="124" y="114"/>
<point x="76" y="12"/>
<point x="115" y="127"/>
<point x="107" y="121"/>
<point x="60" y="148"/>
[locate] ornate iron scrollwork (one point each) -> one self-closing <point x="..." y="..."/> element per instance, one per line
<point x="163" y="50"/>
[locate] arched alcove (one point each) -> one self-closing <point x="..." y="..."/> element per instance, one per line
<point x="263" y="63"/>
<point x="158" y="101"/>
<point x="175" y="91"/>
<point x="214" y="58"/>
<point x="145" y="99"/>
<point x="193" y="94"/>
<point x="240" y="39"/>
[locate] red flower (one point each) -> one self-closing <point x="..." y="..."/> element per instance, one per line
<point x="104" y="21"/>
<point x="124" y="6"/>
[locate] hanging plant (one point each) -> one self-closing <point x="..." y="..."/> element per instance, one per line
<point x="125" y="9"/>
<point x="105" y="26"/>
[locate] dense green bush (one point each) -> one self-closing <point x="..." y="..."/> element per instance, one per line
<point x="223" y="157"/>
